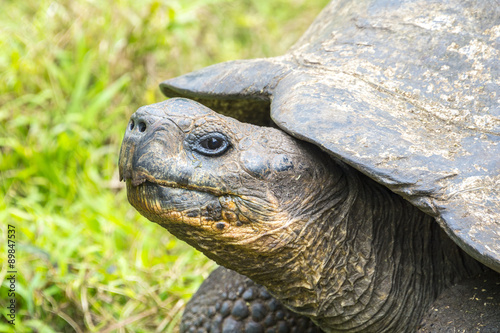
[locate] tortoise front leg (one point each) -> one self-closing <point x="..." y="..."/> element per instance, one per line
<point x="230" y="302"/>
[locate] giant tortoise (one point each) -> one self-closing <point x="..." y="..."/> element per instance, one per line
<point x="377" y="187"/>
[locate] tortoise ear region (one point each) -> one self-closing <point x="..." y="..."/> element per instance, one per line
<point x="261" y="166"/>
<point x="255" y="163"/>
<point x="281" y="163"/>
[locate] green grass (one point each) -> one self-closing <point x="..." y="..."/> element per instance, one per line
<point x="71" y="74"/>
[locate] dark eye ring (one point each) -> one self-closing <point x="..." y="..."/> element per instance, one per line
<point x="212" y="144"/>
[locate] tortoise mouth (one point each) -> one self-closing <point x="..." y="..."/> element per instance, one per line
<point x="140" y="177"/>
<point x="165" y="204"/>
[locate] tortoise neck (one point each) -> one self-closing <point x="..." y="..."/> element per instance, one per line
<point x="370" y="260"/>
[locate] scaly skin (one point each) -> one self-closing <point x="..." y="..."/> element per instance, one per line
<point x="325" y="240"/>
<point x="230" y="302"/>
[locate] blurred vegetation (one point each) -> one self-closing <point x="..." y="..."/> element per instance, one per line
<point x="71" y="73"/>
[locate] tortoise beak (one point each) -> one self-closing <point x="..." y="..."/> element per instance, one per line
<point x="125" y="161"/>
<point x="139" y="129"/>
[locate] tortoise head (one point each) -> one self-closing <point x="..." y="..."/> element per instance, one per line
<point x="233" y="190"/>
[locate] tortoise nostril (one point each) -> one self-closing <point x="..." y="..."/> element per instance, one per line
<point x="131" y="125"/>
<point x="142" y="126"/>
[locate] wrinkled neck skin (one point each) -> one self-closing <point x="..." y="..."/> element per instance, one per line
<point x="362" y="259"/>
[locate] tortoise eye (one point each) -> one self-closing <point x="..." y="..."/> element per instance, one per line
<point x="212" y="144"/>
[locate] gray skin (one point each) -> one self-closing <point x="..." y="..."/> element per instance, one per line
<point x="327" y="241"/>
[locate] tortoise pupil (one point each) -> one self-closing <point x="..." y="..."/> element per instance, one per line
<point x="212" y="143"/>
